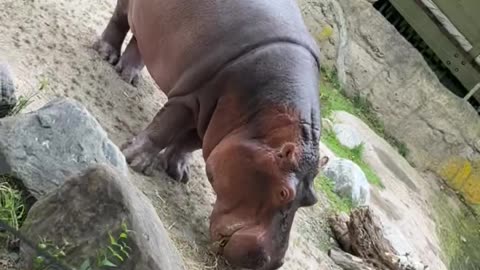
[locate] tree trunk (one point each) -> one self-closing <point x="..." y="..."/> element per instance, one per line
<point x="347" y="261"/>
<point x="362" y="236"/>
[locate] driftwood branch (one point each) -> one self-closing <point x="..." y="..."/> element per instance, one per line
<point x="347" y="261"/>
<point x="361" y="234"/>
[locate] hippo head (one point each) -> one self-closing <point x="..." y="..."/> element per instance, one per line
<point x="259" y="188"/>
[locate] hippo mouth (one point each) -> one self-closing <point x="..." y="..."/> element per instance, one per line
<point x="221" y="239"/>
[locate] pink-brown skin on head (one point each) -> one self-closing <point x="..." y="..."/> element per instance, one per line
<point x="258" y="191"/>
<point x="252" y="198"/>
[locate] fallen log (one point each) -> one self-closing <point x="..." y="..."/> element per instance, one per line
<point x="347" y="261"/>
<point x="361" y="235"/>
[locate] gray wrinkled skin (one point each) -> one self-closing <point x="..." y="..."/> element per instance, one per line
<point x="7" y="90"/>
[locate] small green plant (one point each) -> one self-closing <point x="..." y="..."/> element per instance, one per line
<point x="325" y="185"/>
<point x="355" y="155"/>
<point x="24" y="101"/>
<point x="117" y="250"/>
<point x="109" y="257"/>
<point x="57" y="252"/>
<point x="12" y="205"/>
<point x="330" y="75"/>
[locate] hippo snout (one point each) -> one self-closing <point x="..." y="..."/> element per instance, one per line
<point x="248" y="249"/>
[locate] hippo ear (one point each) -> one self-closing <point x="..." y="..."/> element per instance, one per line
<point x="288" y="156"/>
<point x="323" y="161"/>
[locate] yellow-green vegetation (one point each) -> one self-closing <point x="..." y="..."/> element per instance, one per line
<point x="332" y="99"/>
<point x="355" y="155"/>
<point x="459" y="233"/>
<point x="12" y="205"/>
<point x="325" y="34"/>
<point x="463" y="175"/>
<point x="326" y="186"/>
<point x="111" y="256"/>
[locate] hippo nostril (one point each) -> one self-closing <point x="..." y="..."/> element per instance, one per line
<point x="219" y="246"/>
<point x="223" y="242"/>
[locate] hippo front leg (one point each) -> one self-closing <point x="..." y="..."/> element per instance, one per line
<point x="175" y="159"/>
<point x="172" y="121"/>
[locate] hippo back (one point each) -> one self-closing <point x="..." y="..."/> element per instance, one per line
<point x="186" y="42"/>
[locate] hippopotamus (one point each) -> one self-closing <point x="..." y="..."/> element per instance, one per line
<point x="242" y="81"/>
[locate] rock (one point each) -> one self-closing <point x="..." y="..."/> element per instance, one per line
<point x="350" y="181"/>
<point x="8" y="99"/>
<point x="406" y="263"/>
<point x="414" y="106"/>
<point x="90" y="207"/>
<point x="407" y="96"/>
<point x="347" y="135"/>
<point x="45" y="147"/>
<point x="326" y="23"/>
<point x="327" y="124"/>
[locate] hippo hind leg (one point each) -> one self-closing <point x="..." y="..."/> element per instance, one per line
<point x="110" y="43"/>
<point x="131" y="63"/>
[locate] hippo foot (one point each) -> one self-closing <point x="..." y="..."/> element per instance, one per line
<point x="107" y="52"/>
<point x="128" y="73"/>
<point x="176" y="166"/>
<point x="141" y="154"/>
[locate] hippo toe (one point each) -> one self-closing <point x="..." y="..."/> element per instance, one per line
<point x="107" y="52"/>
<point x="140" y="154"/>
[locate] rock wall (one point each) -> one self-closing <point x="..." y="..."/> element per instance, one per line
<point x="441" y="131"/>
<point x="326" y="23"/>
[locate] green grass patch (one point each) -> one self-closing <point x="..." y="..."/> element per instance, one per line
<point x="332" y="98"/>
<point x="12" y="206"/>
<point x="326" y="186"/>
<point x="355" y="155"/>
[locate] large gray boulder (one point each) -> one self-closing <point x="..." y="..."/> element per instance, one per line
<point x="350" y="181"/>
<point x="347" y="135"/>
<point x="45" y="147"/>
<point x="8" y="99"/>
<point x="86" y="211"/>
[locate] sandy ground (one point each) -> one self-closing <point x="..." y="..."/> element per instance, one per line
<point x="52" y="39"/>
